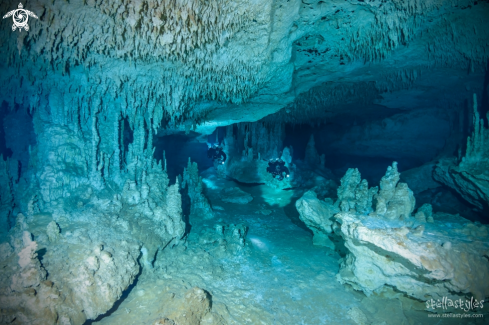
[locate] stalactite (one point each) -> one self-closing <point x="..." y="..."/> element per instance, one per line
<point x="149" y="144"/>
<point x="256" y="138"/>
<point x="164" y="159"/>
<point x="95" y="168"/>
<point x="117" y="144"/>
<point x="187" y="85"/>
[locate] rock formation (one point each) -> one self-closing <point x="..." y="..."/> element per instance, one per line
<point x="81" y="276"/>
<point x="200" y="206"/>
<point x="220" y="55"/>
<point x="318" y="216"/>
<point x="92" y="266"/>
<point x="227" y="238"/>
<point x="389" y="247"/>
<point x="53" y="231"/>
<point x="420" y="259"/>
<point x="470" y="176"/>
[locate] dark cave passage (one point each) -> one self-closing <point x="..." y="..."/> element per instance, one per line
<point x="4" y="150"/>
<point x="16" y="136"/>
<point x="178" y="149"/>
<point x="371" y="143"/>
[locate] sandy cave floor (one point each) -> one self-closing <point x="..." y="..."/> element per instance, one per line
<point x="278" y="278"/>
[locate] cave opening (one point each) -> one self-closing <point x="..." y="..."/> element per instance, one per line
<point x="17" y="137"/>
<point x="372" y="158"/>
<point x="178" y="149"/>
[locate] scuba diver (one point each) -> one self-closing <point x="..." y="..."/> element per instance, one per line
<point x="220" y="155"/>
<point x="278" y="169"/>
<point x="278" y="173"/>
<point x="271" y="166"/>
<point x="285" y="171"/>
<point x="216" y="153"/>
<point x="281" y="170"/>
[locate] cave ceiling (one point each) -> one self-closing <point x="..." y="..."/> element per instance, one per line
<point x="203" y="64"/>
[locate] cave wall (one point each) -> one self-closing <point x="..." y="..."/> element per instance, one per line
<point x="20" y="136"/>
<point x="178" y="149"/>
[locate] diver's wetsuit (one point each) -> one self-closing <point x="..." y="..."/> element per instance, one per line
<point x="217" y="154"/>
<point x="271" y="166"/>
<point x="211" y="152"/>
<point x="278" y="169"/>
<point x="220" y="155"/>
<point x="286" y="171"/>
<point x="278" y="172"/>
<point x="281" y="169"/>
<point x="281" y="164"/>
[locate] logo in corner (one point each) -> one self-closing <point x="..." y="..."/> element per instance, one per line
<point x="20" y="17"/>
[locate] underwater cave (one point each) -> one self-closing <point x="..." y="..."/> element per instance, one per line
<point x="194" y="162"/>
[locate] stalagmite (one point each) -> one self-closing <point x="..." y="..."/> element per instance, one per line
<point x="373" y="239"/>
<point x="200" y="207"/>
<point x="96" y="161"/>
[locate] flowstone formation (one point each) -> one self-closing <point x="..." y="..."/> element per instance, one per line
<point x="469" y="176"/>
<point x="389" y="247"/>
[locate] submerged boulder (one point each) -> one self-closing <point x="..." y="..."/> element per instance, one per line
<point x="318" y="216"/>
<point x="425" y="256"/>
